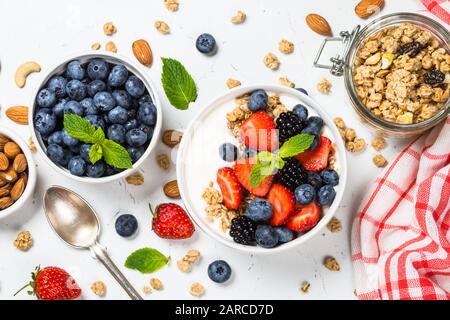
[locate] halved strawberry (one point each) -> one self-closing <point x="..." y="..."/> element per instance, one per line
<point x="242" y="169"/>
<point x="304" y="218"/>
<point x="259" y="132"/>
<point x="283" y="204"/>
<point x="230" y="188"/>
<point x="317" y="159"/>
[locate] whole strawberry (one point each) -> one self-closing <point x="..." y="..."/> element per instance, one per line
<point x="52" y="283"/>
<point x="170" y="221"/>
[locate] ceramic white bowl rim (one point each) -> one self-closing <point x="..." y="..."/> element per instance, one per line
<point x="199" y="218"/>
<point x="31" y="183"/>
<point x="115" y="58"/>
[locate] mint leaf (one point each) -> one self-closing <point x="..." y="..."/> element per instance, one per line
<point x="95" y="153"/>
<point x="178" y="84"/>
<point x="265" y="156"/>
<point x="146" y="260"/>
<point x="259" y="172"/>
<point x="79" y="128"/>
<point x="115" y="155"/>
<point x="98" y="136"/>
<point x="295" y="145"/>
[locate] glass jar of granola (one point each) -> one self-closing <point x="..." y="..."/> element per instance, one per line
<point x="396" y="72"/>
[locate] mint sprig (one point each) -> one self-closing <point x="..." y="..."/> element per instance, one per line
<point x="269" y="162"/>
<point x="114" y="154"/>
<point x="146" y="260"/>
<point x="178" y="84"/>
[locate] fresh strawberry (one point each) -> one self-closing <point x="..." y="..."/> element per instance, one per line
<point x="259" y="132"/>
<point x="170" y="221"/>
<point x="283" y="203"/>
<point x="52" y="283"/>
<point x="317" y="159"/>
<point x="230" y="188"/>
<point x="242" y="169"/>
<point x="304" y="218"/>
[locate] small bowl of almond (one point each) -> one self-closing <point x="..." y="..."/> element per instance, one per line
<point x="17" y="172"/>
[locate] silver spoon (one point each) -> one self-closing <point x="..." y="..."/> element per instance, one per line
<point x="76" y="223"/>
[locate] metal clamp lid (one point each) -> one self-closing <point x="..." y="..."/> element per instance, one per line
<point x="338" y="62"/>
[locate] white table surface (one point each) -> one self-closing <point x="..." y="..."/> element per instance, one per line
<point x="46" y="31"/>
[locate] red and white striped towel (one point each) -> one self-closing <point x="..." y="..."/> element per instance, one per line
<point x="401" y="234"/>
<point x="434" y="6"/>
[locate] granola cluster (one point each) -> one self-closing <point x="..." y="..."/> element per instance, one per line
<point x="189" y="259"/>
<point x="390" y="74"/>
<point x="24" y="241"/>
<point x="215" y="209"/>
<point x="352" y="142"/>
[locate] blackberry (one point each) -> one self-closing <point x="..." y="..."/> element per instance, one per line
<point x="243" y="230"/>
<point x="288" y="125"/>
<point x="412" y="49"/>
<point x="434" y="77"/>
<point x="292" y="175"/>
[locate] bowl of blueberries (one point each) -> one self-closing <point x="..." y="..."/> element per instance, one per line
<point x="95" y="117"/>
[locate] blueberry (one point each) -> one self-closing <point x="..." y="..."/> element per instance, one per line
<point x="228" y="152"/>
<point x="326" y="195"/>
<point x="68" y="154"/>
<point x="75" y="70"/>
<point x="302" y="90"/>
<point x="315" y="143"/>
<point x="131" y="124"/>
<point x="95" y="170"/>
<point x="330" y="177"/>
<point x="98" y="69"/>
<point x="219" y="271"/>
<point x="46" y="98"/>
<point x="56" y="138"/>
<point x="206" y="44"/>
<point x="58" y="109"/>
<point x="136" y="138"/>
<point x="314" y="179"/>
<point x="284" y="234"/>
<point x="104" y="101"/>
<point x="110" y="171"/>
<point x="118" y="115"/>
<point x="249" y="152"/>
<point x="259" y="210"/>
<point x="301" y="112"/>
<point x="76" y="90"/>
<point x="305" y="193"/>
<point x="315" y="122"/>
<point x="57" y="84"/>
<point x="116" y="132"/>
<point x="96" y="121"/>
<point x="118" y="76"/>
<point x="89" y="107"/>
<point x="136" y="153"/>
<point x="77" y="166"/>
<point x="45" y="121"/>
<point x="68" y="140"/>
<point x="55" y="153"/>
<point x="73" y="107"/>
<point x="258" y="100"/>
<point x="147" y="130"/>
<point x="95" y="87"/>
<point x="266" y="236"/>
<point x="135" y="87"/>
<point x="122" y="98"/>
<point x="147" y="113"/>
<point x="311" y="130"/>
<point x="145" y="98"/>
<point x="126" y="225"/>
<point x="84" y="152"/>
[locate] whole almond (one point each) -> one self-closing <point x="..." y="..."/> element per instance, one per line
<point x="3" y="180"/>
<point x="11" y="150"/>
<point x="24" y="176"/>
<point x="143" y="52"/>
<point x="318" y="24"/>
<point x="18" y="114"/>
<point x="171" y="189"/>
<point x="366" y="8"/>
<point x="5" y="202"/>
<point x="3" y="141"/>
<point x="17" y="189"/>
<point x="20" y="163"/>
<point x="4" y="161"/>
<point x="4" y="191"/>
<point x="9" y="175"/>
<point x="171" y="138"/>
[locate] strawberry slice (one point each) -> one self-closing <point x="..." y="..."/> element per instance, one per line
<point x="304" y="218"/>
<point x="242" y="169"/>
<point x="259" y="132"/>
<point x="283" y="203"/>
<point x="230" y="188"/>
<point x="317" y="159"/>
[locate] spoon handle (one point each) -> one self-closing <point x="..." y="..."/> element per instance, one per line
<point x="100" y="253"/>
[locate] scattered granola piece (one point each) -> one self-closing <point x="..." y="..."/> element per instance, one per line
<point x="111" y="46"/>
<point x="350" y="134"/>
<point x="360" y="145"/>
<point x="324" y="86"/>
<point x="162" y="27"/>
<point x="190" y="258"/>
<point x="271" y="61"/>
<point x="305" y="287"/>
<point x="334" y="225"/>
<point x="109" y="28"/>
<point x="339" y="122"/>
<point x="197" y="289"/>
<point x="239" y="17"/>
<point x="378" y="143"/>
<point x="355" y="292"/>
<point x="136" y="179"/>
<point x="379" y="161"/>
<point x="156" y="284"/>
<point x="331" y="264"/>
<point x="172" y="5"/>
<point x="286" y="82"/>
<point x="286" y="46"/>
<point x="147" y="289"/>
<point x="232" y="83"/>
<point x="99" y="288"/>
<point x="23" y="241"/>
<point x="31" y="145"/>
<point x="95" y="46"/>
<point x="163" y="161"/>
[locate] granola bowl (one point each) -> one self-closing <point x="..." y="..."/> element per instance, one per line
<point x="199" y="160"/>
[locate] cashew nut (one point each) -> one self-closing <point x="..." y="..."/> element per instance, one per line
<point x="24" y="70"/>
